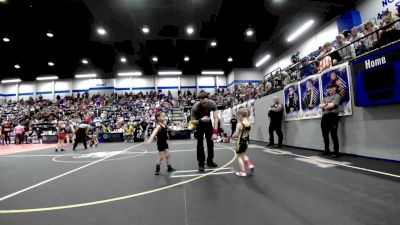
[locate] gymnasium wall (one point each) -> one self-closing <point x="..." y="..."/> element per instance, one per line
<point x="372" y="8"/>
<point x="370" y="131"/>
<point x="50" y="89"/>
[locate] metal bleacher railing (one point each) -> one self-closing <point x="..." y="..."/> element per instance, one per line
<point x="372" y="40"/>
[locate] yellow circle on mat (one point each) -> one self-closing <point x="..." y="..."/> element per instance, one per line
<point x="10" y="211"/>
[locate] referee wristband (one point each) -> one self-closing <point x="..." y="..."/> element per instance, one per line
<point x="215" y="131"/>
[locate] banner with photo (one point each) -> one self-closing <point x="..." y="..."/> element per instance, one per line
<point x="292" y="102"/>
<point x="339" y="75"/>
<point x="310" y="97"/>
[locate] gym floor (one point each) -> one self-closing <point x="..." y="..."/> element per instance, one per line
<point x="115" y="184"/>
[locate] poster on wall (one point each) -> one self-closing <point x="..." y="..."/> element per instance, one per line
<point x="340" y="76"/>
<point x="292" y="102"/>
<point x="310" y="98"/>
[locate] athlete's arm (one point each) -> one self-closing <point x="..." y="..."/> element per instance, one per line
<point x="237" y="131"/>
<point x="155" y="131"/>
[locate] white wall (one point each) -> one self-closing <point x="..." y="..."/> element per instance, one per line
<point x="1" y="93"/>
<point x="10" y="91"/>
<point x="188" y="83"/>
<point x="63" y="87"/>
<point x="143" y="84"/>
<point x="370" y="8"/>
<point x="370" y="131"/>
<point x="247" y="75"/>
<point x="327" y="34"/>
<point x="206" y="83"/>
<point x="26" y="90"/>
<point x="221" y="81"/>
<point x="168" y="83"/>
<point x="45" y="89"/>
<point x="231" y="78"/>
<point x="123" y="84"/>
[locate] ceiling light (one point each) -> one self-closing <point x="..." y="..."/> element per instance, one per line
<point x="123" y="59"/>
<point x="50" y="63"/>
<point x="17" y="66"/>
<point x="217" y="72"/>
<point x="230" y="59"/>
<point x="213" y="43"/>
<point x="155" y="59"/>
<point x="47" y="78"/>
<point x="263" y="60"/>
<point x="50" y="35"/>
<point x="300" y="31"/>
<point x="7" y="81"/>
<point x="186" y="58"/>
<point x="88" y="75"/>
<point x="85" y="61"/>
<point x="101" y="31"/>
<point x="128" y="74"/>
<point x="5" y="39"/>
<point x="249" y="33"/>
<point x="3" y="1"/>
<point x="145" y="30"/>
<point x="190" y="30"/>
<point x="169" y="73"/>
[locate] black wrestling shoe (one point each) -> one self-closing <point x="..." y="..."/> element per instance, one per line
<point x="201" y="168"/>
<point x="170" y="169"/>
<point x="335" y="156"/>
<point x="212" y="164"/>
<point x="325" y="153"/>
<point x="56" y="150"/>
<point x="62" y="150"/>
<point x="269" y="145"/>
<point x="157" y="170"/>
<point x="279" y="146"/>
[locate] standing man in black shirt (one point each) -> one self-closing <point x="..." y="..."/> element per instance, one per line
<point x="275" y="114"/>
<point x="330" y="119"/>
<point x="201" y="112"/>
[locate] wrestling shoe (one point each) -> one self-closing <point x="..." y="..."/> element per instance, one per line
<point x="170" y="169"/>
<point x="251" y="167"/>
<point x="241" y="174"/>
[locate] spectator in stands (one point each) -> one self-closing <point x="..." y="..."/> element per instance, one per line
<point x="19" y="133"/>
<point x="295" y="58"/>
<point x="372" y="36"/>
<point x="346" y="50"/>
<point x="330" y="119"/>
<point x="1" y="136"/>
<point x="390" y="31"/>
<point x="275" y="114"/>
<point x="7" y="127"/>
<point x="307" y="67"/>
<point x="326" y="60"/>
<point x="359" y="45"/>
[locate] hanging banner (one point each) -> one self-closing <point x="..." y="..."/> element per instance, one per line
<point x="339" y="75"/>
<point x="292" y="102"/>
<point x="310" y="98"/>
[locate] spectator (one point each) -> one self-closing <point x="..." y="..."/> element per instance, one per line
<point x="330" y="119"/>
<point x="346" y="50"/>
<point x="275" y="114"/>
<point x="372" y="36"/>
<point x="19" y="133"/>
<point x="359" y="45"/>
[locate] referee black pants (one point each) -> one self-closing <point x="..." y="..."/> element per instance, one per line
<point x="80" y="137"/>
<point x="329" y="124"/>
<point x="278" y="128"/>
<point x="204" y="129"/>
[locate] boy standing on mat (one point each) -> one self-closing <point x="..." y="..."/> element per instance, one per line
<point x="162" y="145"/>
<point x="242" y="134"/>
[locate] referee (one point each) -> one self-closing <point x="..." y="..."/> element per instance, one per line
<point x="330" y="119"/>
<point x="201" y="117"/>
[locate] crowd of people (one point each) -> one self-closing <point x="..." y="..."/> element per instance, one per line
<point x="348" y="45"/>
